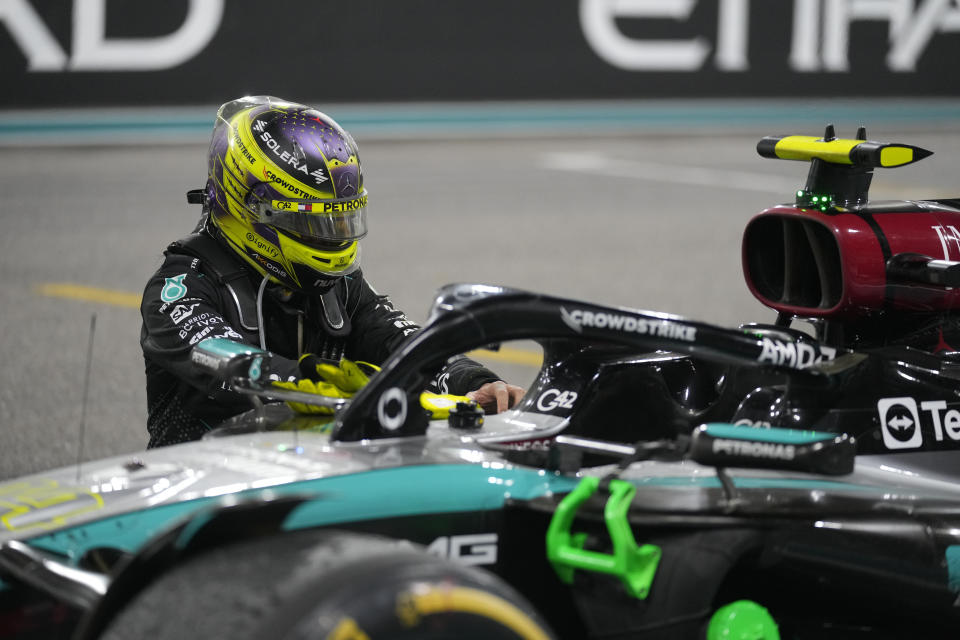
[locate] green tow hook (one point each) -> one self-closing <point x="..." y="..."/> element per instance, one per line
<point x="634" y="564"/>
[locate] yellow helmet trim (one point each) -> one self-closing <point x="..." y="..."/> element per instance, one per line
<point x="269" y="169"/>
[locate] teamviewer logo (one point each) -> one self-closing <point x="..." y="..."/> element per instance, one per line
<point x="900" y="422"/>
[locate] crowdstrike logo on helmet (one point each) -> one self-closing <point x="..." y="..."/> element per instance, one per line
<point x="237" y="140"/>
<point x="292" y="188"/>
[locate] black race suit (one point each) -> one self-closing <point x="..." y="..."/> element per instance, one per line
<point x="203" y="290"/>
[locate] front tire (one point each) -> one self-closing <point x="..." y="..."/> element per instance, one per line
<point x="326" y="586"/>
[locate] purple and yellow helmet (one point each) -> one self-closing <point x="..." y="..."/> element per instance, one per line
<point x="285" y="189"/>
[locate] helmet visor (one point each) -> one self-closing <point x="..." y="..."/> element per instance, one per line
<point x="329" y="221"/>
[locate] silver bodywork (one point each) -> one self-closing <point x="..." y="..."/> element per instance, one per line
<point x="221" y="467"/>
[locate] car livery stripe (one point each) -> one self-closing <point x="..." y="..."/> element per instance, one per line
<point x="383" y="493"/>
<point x="952" y="556"/>
<point x="779" y="436"/>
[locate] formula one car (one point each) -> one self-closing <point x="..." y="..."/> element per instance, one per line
<point x="662" y="478"/>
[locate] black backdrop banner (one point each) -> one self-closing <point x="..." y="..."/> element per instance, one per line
<point x="98" y="52"/>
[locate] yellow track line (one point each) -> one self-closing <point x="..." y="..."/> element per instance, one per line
<point x="89" y="294"/>
<point x="506" y="354"/>
<point x="132" y="301"/>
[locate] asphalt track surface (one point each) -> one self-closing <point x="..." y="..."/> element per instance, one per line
<point x="644" y="218"/>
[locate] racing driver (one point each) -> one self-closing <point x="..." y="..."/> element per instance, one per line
<point x="275" y="262"/>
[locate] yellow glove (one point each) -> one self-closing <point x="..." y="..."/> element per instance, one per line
<point x="440" y="404"/>
<point x="309" y="386"/>
<point x="346" y="375"/>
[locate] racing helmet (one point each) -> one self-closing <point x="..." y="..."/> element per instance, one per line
<point x="285" y="190"/>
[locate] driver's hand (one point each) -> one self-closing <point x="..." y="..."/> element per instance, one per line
<point x="498" y="396"/>
<point x="317" y="388"/>
<point x="347" y="375"/>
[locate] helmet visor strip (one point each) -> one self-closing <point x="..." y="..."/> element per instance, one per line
<point x="337" y="221"/>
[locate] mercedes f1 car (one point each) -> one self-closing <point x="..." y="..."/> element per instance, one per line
<point x="661" y="478"/>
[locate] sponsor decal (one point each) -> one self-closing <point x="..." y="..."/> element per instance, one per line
<point x="531" y="444"/>
<point x="173" y="288"/>
<point x="948" y="236"/>
<point x="555" y="399"/>
<point x="392" y="409"/>
<point x="442" y="382"/>
<point x="94" y="51"/>
<point x="345" y="186"/>
<point x="469" y="549"/>
<point x="343" y="207"/>
<point x="244" y="151"/>
<point x="757" y="424"/>
<point x="280" y="181"/>
<point x="262" y="245"/>
<point x="288" y="158"/>
<point x="901" y="422"/>
<point x="39" y="504"/>
<point x="322" y="207"/>
<point x="256" y="368"/>
<point x="204" y="360"/>
<point x="203" y="333"/>
<point x="797" y="355"/>
<point x="269" y="266"/>
<point x="204" y="320"/>
<point x="815" y="44"/>
<point x="230" y="335"/>
<point x="166" y="305"/>
<point x="771" y="450"/>
<point x="580" y="318"/>
<point x="405" y="325"/>
<point x="182" y="311"/>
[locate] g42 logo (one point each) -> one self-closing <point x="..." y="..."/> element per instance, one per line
<point x="555" y="399"/>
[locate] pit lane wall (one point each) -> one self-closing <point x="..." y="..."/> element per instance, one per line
<point x="95" y="52"/>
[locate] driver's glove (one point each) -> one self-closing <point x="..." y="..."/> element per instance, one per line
<point x="309" y="386"/>
<point x="324" y="378"/>
<point x="440" y="404"/>
<point x="347" y="375"/>
<point x="343" y="379"/>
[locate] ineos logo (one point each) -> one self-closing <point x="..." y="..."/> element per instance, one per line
<point x="392" y="409"/>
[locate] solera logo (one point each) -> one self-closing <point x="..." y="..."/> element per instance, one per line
<point x="93" y="51"/>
